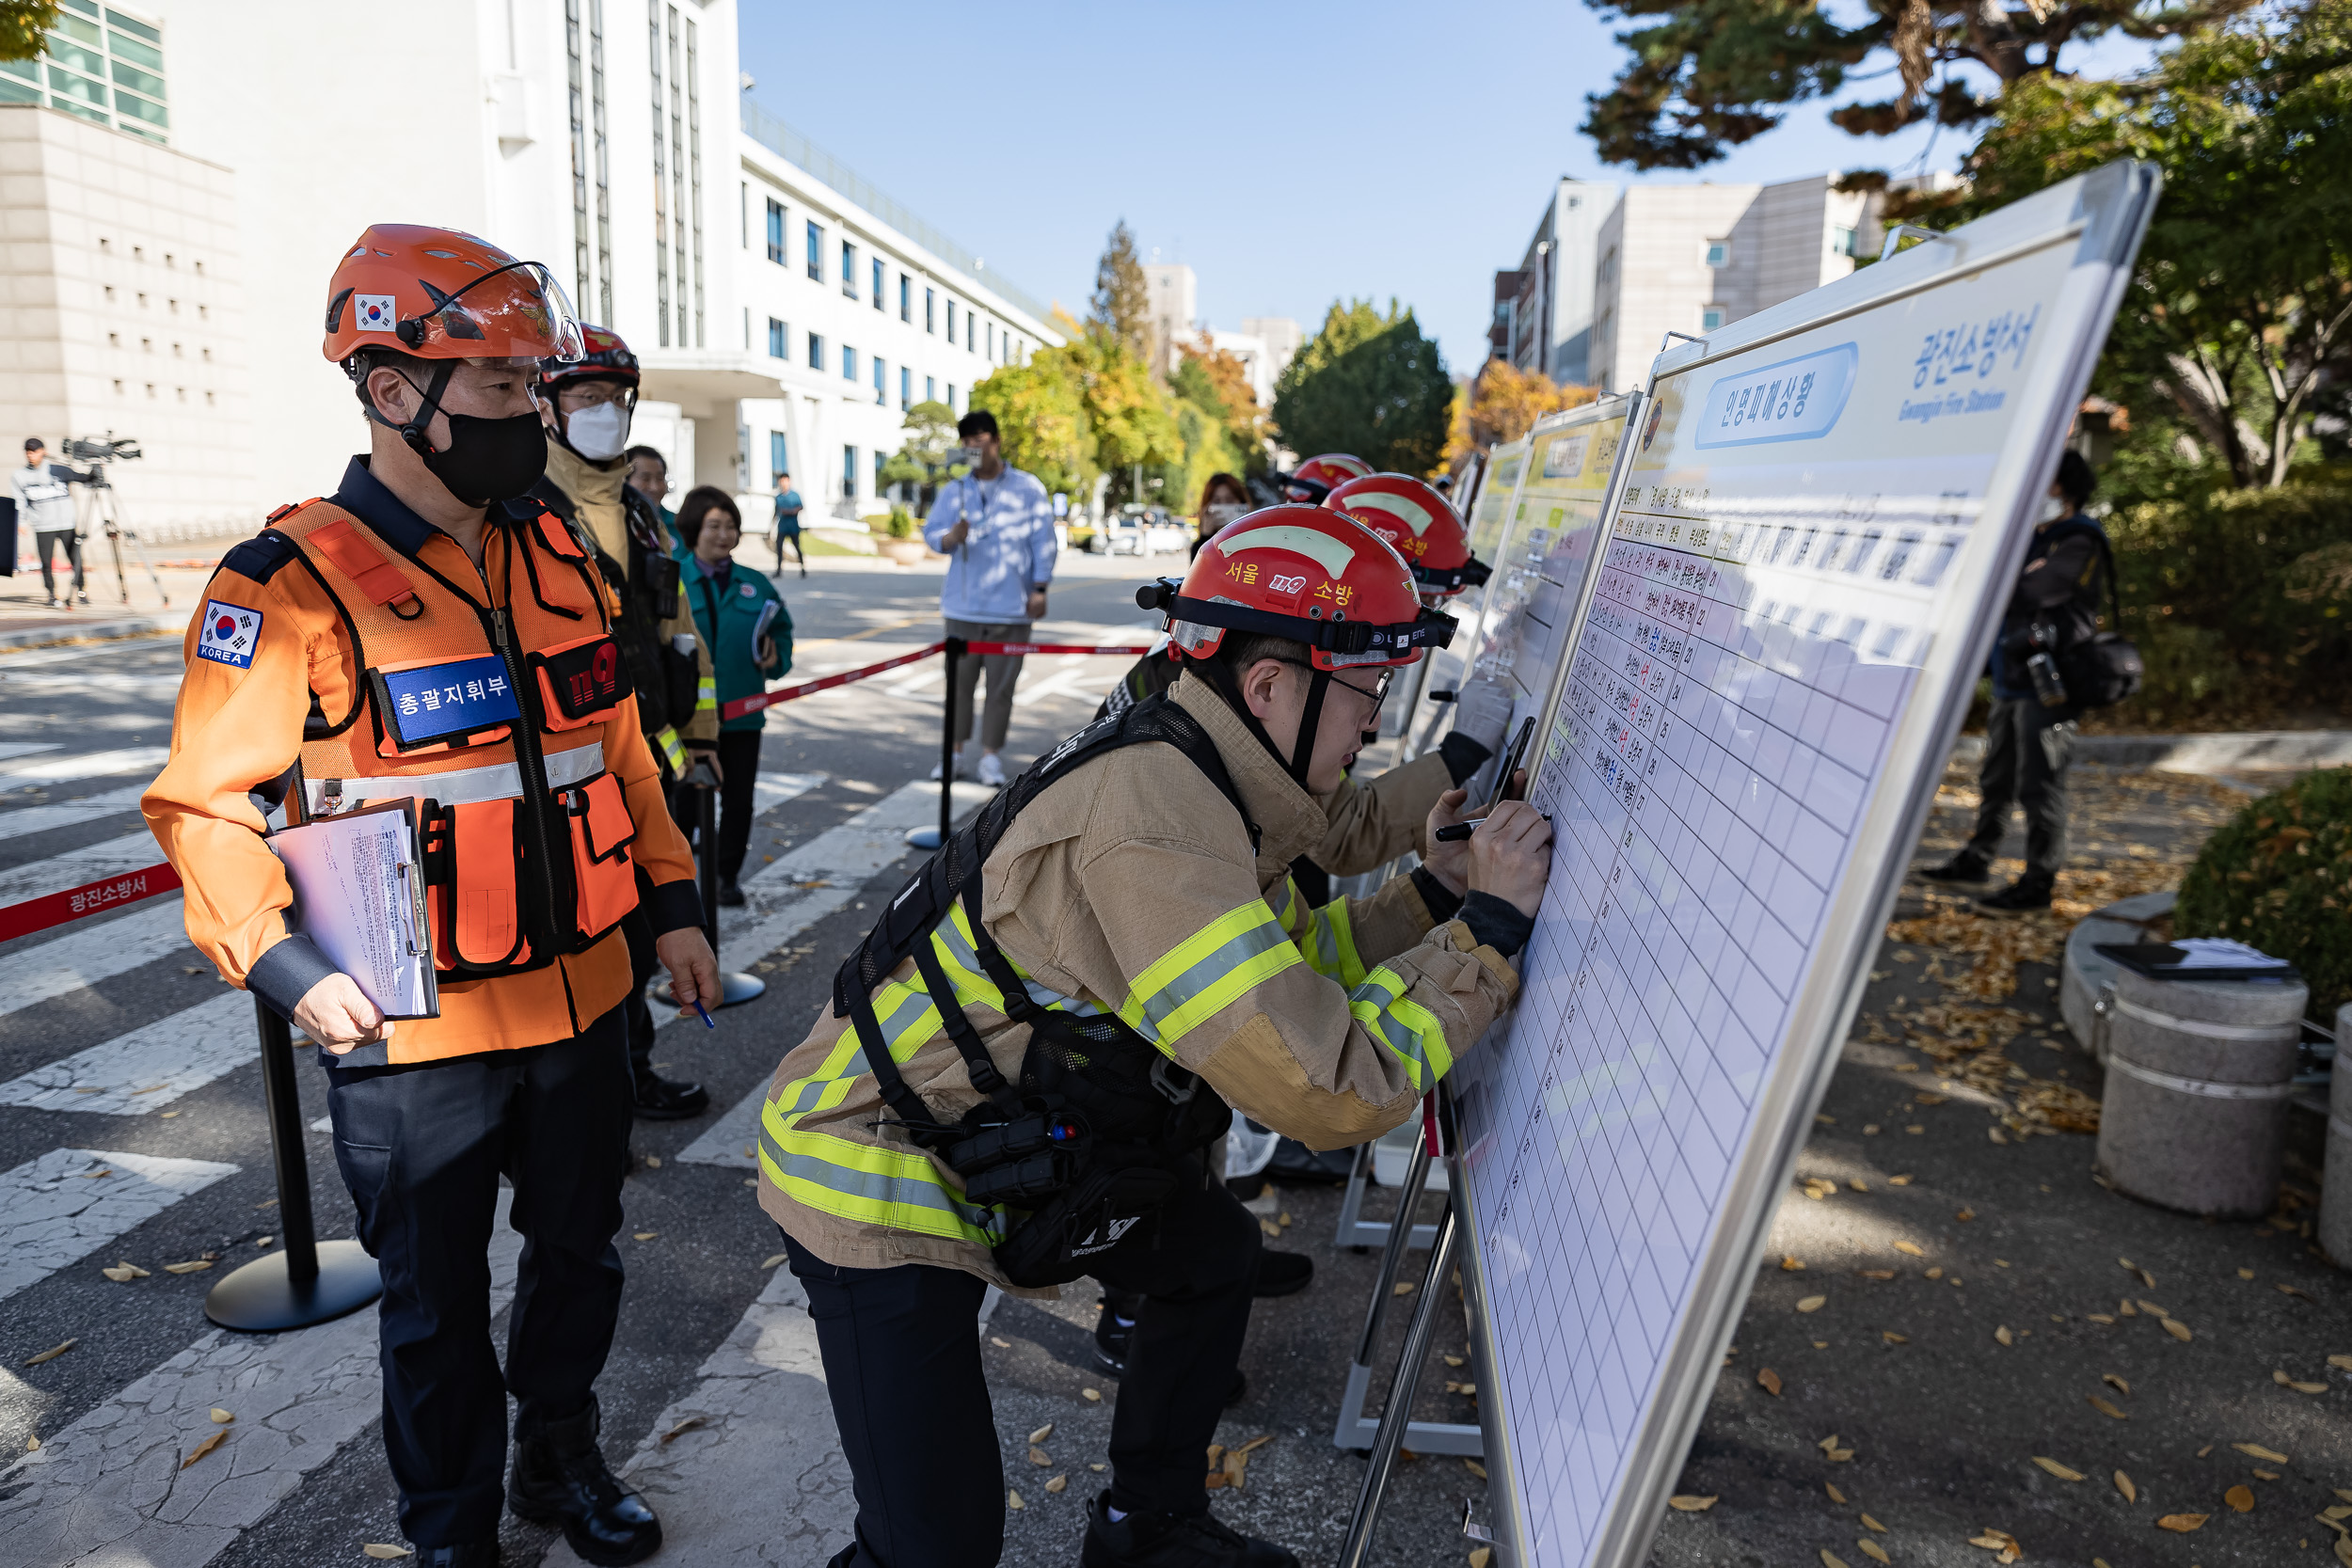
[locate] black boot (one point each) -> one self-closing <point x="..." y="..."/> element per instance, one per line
<point x="2022" y="896"/>
<point x="561" y="1477"/>
<point x="476" y="1554"/>
<point x="1966" y="866"/>
<point x="661" y="1099"/>
<point x="1149" y="1540"/>
<point x="730" y="895"/>
<point x="1283" y="1273"/>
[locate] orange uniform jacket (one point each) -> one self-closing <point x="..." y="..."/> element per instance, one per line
<point x="288" y="657"/>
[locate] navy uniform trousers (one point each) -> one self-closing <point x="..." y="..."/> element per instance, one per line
<point x="422" y="1148"/>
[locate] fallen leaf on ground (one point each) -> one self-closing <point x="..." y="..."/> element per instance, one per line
<point x="383" y="1553"/>
<point x="2115" y="1382"/>
<point x="1869" y="1523"/>
<point x="2004" y="1336"/>
<point x="1792" y="1264"/>
<point x="2105" y="1407"/>
<point x="2293" y="1291"/>
<point x="1685" y="1503"/>
<point x="1042" y="1434"/>
<point x="1937" y="1272"/>
<point x="767" y="1263"/>
<point x="1058" y="1482"/>
<point x="2181" y="1524"/>
<point x="648" y="1235"/>
<point x="1834" y="1495"/>
<point x="1452" y="1360"/>
<point x="1831" y="1560"/>
<point x="1093" y="1396"/>
<point x="1000" y="1344"/>
<point x="653" y="1162"/>
<point x="1768" y="1381"/>
<point x="1892" y="1337"/>
<point x="2240" y="1497"/>
<point x="1481" y="1555"/>
<point x="2125" y="1310"/>
<point x="1474" y="1469"/>
<point x="2123" y="1484"/>
<point x="1857" y="1185"/>
<point x="1965" y="1214"/>
<point x="195" y="1265"/>
<point x="682" y="1428"/>
<point x="215" y="1440"/>
<point x="1898" y="1180"/>
<point x="2057" y="1469"/>
<point x="1873" y="1550"/>
<point x="1039" y="1458"/>
<point x="1012" y="1500"/>
<point x="2106" y="1318"/>
<point x="51" y="1353"/>
<point x="221" y="1417"/>
<point x="1876" y="1273"/>
<point x="126" y="1270"/>
<point x="1812" y="1304"/>
<point x="2285" y="1382"/>
<point x="2178" y="1329"/>
<point x="32" y="1443"/>
<point x="2255" y="1450"/>
<point x="1404" y="1288"/>
<point x="2266" y="1474"/>
<point x="1912" y="1248"/>
<point x="2246" y="1273"/>
<point x="2206" y="1450"/>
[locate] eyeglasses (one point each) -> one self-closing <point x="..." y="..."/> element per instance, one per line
<point x="1376" y="696"/>
<point x="591" y="395"/>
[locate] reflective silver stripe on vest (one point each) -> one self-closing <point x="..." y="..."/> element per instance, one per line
<point x="2197" y="1086"/>
<point x="2292" y="1029"/>
<point x="459" y="787"/>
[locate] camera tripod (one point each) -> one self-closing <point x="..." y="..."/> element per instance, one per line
<point x="98" y="503"/>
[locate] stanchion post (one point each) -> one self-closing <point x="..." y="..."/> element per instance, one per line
<point x="302" y="1283"/>
<point x="947" y="745"/>
<point x="734" y="989"/>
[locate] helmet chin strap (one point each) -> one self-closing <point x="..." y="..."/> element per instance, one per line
<point x="1302" y="753"/>
<point x="413" y="430"/>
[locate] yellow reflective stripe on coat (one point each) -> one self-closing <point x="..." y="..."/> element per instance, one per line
<point x="1329" y="942"/>
<point x="1409" y="1031"/>
<point x="665" y="745"/>
<point x="706" y="693"/>
<point x="1206" y="971"/>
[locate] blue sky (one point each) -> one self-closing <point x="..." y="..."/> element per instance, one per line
<point x="1291" y="153"/>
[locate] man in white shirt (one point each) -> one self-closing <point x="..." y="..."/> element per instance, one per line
<point x="995" y="525"/>
<point x="46" y="506"/>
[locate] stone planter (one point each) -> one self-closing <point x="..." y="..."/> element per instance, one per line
<point x="905" y="552"/>
<point x="2335" y="1200"/>
<point x="2087" y="977"/>
<point x="2197" y="1084"/>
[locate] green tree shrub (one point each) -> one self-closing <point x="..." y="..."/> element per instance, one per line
<point x="2280" y="878"/>
<point x="1370" y="384"/>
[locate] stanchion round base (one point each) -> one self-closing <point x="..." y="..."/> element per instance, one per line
<point x="260" y="1299"/>
<point x="737" y="988"/>
<point x="923" y="838"/>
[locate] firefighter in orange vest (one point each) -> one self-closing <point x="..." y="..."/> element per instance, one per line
<point x="421" y="636"/>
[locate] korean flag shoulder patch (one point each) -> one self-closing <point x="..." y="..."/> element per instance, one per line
<point x="229" y="634"/>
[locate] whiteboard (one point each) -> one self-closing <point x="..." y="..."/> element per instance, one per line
<point x="1484" y="515"/>
<point x="1824" y="506"/>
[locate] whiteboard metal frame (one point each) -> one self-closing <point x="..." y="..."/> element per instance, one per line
<point x="2105" y="214"/>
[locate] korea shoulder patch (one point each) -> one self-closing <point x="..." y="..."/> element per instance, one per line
<point x="230" y="632"/>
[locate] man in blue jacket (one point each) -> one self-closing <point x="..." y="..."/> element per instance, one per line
<point x="995" y="525"/>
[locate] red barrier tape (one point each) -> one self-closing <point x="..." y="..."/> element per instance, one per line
<point x="1048" y="648"/>
<point x="760" y="700"/>
<point x="56" y="908"/>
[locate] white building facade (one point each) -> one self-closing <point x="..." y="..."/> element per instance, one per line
<point x="608" y="139"/>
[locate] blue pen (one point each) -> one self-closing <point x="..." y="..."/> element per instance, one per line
<point x="709" y="1021"/>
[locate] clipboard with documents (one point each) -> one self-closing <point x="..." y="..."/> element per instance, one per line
<point x="360" y="895"/>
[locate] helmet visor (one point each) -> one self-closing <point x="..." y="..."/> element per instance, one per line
<point x="517" y="312"/>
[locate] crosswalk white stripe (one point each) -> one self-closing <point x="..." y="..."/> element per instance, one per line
<point x="86" y="765"/>
<point x="107" y="858"/>
<point x="781" y="903"/>
<point x="108" y="1490"/>
<point x="64" y="1206"/>
<point x="148" y="1068"/>
<point x="762" y="1412"/>
<point x="86" y="955"/>
<point x="74" y="812"/>
<point x="27" y="748"/>
<point x="14" y="685"/>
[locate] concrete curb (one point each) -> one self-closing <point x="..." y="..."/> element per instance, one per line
<point x="172" y="621"/>
<point x="2198" y="754"/>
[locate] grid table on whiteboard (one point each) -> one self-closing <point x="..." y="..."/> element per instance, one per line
<point x="1728" y="700"/>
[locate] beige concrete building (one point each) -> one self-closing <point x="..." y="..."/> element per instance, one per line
<point x="122" y="310"/>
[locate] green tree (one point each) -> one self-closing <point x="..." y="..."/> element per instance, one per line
<point x="22" y="23"/>
<point x="1707" y="75"/>
<point x="1217" y="383"/>
<point x="2240" y="308"/>
<point x="1367" y="383"/>
<point x="1041" y="419"/>
<point x="1122" y="305"/>
<point x="922" y="460"/>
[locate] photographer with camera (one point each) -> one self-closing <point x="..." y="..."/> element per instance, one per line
<point x="45" y="504"/>
<point x="2053" y="611"/>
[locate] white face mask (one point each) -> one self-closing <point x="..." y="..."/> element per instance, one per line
<point x="599" y="432"/>
<point x="2054" y="510"/>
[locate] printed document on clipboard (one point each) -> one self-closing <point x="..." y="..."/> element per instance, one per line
<point x="360" y="895"/>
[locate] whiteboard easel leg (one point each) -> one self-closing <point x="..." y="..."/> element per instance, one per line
<point x="1393" y="1418"/>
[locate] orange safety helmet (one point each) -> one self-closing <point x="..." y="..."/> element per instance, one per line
<point x="1419" y="524"/>
<point x="1315" y="477"/>
<point x="1310" y="576"/>
<point x="441" y="294"/>
<point x="603" y="356"/>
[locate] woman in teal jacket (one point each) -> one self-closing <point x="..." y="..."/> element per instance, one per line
<point x="750" y="632"/>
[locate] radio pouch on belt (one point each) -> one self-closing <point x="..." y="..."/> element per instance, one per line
<point x="1101" y="1128"/>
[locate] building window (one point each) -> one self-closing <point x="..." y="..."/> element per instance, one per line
<point x="882" y="379"/>
<point x="777" y="336"/>
<point x="848" y="363"/>
<point x="848" y="473"/>
<point x="849" y="269"/>
<point x="971" y="331"/>
<point x="815" y="351"/>
<point x="1710" y="318"/>
<point x="991" y="339"/>
<point x="694" y="165"/>
<point x="931" y="389"/>
<point x="1844" y="241"/>
<point x="815" y="254"/>
<point x="1718" y="253"/>
<point x="951" y="321"/>
<point x="879" y="462"/>
<point x="660" y="179"/>
<point x="779" y="460"/>
<point x="878" y="284"/>
<point x="951" y="397"/>
<point x="906" y="388"/>
<point x="82" y="57"/>
<point x="930" y="300"/>
<point x="906" y="298"/>
<point x="775" y="231"/>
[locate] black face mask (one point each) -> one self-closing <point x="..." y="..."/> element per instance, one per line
<point x="487" y="460"/>
<point x="490" y="460"/>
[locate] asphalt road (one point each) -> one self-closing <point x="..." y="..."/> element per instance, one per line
<point x="120" y="1015"/>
